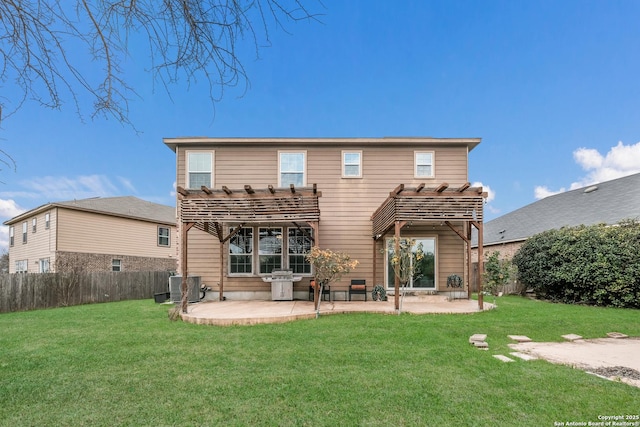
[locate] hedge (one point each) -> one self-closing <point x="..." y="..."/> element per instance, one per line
<point x="596" y="265"/>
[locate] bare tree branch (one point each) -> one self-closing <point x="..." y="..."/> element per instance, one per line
<point x="188" y="41"/>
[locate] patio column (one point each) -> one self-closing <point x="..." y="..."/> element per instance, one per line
<point x="375" y="263"/>
<point x="183" y="265"/>
<point x="467" y="229"/>
<point x="396" y="297"/>
<point x="221" y="293"/>
<point x="478" y="225"/>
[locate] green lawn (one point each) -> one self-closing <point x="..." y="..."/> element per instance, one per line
<point x="127" y="364"/>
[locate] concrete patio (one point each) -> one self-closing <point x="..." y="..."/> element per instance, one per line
<point x="224" y="313"/>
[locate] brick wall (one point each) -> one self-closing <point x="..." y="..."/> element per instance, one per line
<point x="66" y="261"/>
<point x="507" y="250"/>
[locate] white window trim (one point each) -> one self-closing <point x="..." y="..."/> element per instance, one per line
<point x="252" y="254"/>
<point x="25" y="229"/>
<point x="186" y="167"/>
<point x="255" y="254"/>
<point x="113" y="260"/>
<point x="309" y="230"/>
<point x="34" y="224"/>
<point x="41" y="263"/>
<point x="11" y="235"/>
<point x="391" y="286"/>
<point x="304" y="165"/>
<point x="282" y="249"/>
<point x="433" y="164"/>
<point x="47" y="220"/>
<point x="344" y="164"/>
<point x="168" y="236"/>
<point x="22" y="266"/>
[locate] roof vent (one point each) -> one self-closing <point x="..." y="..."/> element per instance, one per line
<point x="591" y="189"/>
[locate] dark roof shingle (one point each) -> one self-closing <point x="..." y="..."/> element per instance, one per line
<point x="608" y="202"/>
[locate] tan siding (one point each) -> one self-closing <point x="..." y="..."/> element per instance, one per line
<point x="346" y="205"/>
<point x="87" y="232"/>
<point x="40" y="244"/>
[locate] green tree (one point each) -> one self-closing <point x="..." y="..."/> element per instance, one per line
<point x="598" y="264"/>
<point x="497" y="273"/>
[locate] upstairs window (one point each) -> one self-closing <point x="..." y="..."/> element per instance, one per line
<point x="424" y="164"/>
<point x="24" y="232"/>
<point x="292" y="169"/>
<point x="164" y="236"/>
<point x="47" y="220"/>
<point x="352" y="164"/>
<point x="199" y="169"/>
<point x="11" y="231"/>
<point x="34" y="223"/>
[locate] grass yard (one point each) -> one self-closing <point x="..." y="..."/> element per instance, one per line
<point x="127" y="364"/>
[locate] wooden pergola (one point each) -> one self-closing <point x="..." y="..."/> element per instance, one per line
<point x="442" y="205"/>
<point x="210" y="209"/>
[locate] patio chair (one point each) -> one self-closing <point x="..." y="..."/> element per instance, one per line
<point x="358" y="287"/>
<point x="326" y="291"/>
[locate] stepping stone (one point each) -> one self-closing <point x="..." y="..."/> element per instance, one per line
<point x="572" y="337"/>
<point x="523" y="356"/>
<point x="616" y="335"/>
<point x="503" y="358"/>
<point x="520" y="338"/>
<point x="477" y="337"/>
<point x="481" y="344"/>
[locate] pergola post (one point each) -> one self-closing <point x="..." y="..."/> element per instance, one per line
<point x="396" y="297"/>
<point x="183" y="265"/>
<point x="222" y="269"/>
<point x="375" y="262"/>
<point x="467" y="228"/>
<point x="478" y="225"/>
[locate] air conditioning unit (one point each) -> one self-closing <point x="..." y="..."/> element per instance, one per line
<point x="175" y="289"/>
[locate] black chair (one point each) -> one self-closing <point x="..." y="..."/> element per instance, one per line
<point x="326" y="291"/>
<point x="358" y="287"/>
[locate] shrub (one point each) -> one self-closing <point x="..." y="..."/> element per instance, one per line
<point x="497" y="273"/>
<point x="597" y="265"/>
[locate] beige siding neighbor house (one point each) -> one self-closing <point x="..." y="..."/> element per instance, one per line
<point x="251" y="206"/>
<point x="97" y="234"/>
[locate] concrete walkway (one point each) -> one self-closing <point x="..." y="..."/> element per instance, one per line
<point x="225" y="313"/>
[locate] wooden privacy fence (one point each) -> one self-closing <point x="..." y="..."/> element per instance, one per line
<point x="510" y="288"/>
<point x="29" y="291"/>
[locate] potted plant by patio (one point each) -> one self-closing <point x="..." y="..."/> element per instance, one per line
<point x="328" y="267"/>
<point x="379" y="293"/>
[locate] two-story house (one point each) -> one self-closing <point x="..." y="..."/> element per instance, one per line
<point x="249" y="206"/>
<point x="96" y="234"/>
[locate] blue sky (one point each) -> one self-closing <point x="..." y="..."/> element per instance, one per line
<point x="551" y="87"/>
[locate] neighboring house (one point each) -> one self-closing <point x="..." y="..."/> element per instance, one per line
<point x="251" y="206"/>
<point x="607" y="202"/>
<point x="97" y="234"/>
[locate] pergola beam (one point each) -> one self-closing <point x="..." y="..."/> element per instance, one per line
<point x="442" y="187"/>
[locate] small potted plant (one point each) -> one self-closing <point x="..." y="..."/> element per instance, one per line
<point x="379" y="293"/>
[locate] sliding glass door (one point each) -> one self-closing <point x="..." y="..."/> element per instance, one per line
<point x="425" y="271"/>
